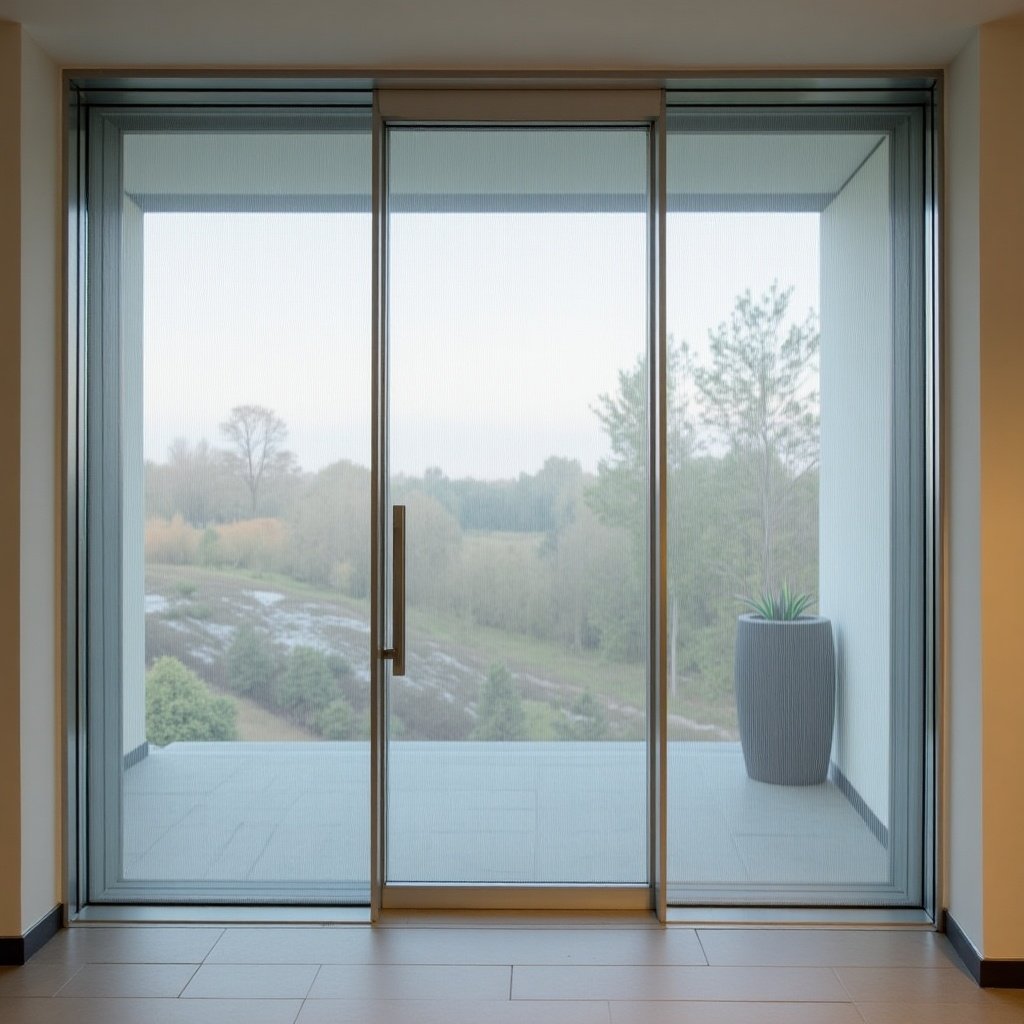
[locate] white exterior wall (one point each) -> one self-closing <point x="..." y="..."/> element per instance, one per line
<point x="856" y="463"/>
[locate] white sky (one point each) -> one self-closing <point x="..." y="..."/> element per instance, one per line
<point x="505" y="328"/>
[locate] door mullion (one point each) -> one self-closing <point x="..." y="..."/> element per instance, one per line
<point x="658" y="718"/>
<point x="378" y="507"/>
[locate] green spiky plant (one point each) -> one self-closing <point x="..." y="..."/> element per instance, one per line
<point x="782" y="607"/>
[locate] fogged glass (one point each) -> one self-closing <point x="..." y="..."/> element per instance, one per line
<point x="246" y="477"/>
<point x="517" y="337"/>
<point x="780" y="322"/>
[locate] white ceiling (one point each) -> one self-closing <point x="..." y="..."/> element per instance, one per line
<point x="494" y="162"/>
<point x="504" y="34"/>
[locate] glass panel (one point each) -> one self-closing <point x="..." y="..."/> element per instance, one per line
<point x="517" y="335"/>
<point x="787" y="739"/>
<point x="245" y="453"/>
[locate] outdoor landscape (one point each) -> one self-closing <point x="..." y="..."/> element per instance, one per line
<point x="527" y="608"/>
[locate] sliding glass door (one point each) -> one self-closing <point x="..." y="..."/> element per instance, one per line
<point x="503" y="499"/>
<point x="796" y="470"/>
<point x="229" y="472"/>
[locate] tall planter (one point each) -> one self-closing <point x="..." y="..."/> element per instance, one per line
<point x="785" y="697"/>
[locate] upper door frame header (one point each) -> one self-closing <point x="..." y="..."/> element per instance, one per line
<point x="296" y="88"/>
<point x="534" y="106"/>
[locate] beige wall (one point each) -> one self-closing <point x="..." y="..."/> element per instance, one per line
<point x="986" y="371"/>
<point x="10" y="460"/>
<point x="1001" y="235"/>
<point x="985" y="488"/>
<point x="30" y="849"/>
<point x="40" y="287"/>
<point x="963" y="447"/>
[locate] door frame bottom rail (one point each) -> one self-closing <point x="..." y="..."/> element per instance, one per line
<point x="602" y="899"/>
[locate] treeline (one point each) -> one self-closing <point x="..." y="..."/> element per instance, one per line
<point x="580" y="583"/>
<point x="315" y="528"/>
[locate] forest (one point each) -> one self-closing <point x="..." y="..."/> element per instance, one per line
<point x="542" y="569"/>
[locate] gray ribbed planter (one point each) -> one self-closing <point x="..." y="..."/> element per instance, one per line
<point x="785" y="698"/>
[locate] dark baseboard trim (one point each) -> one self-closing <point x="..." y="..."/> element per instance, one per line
<point x="987" y="973"/>
<point x="847" y="788"/>
<point x="17" y="949"/>
<point x="140" y="753"/>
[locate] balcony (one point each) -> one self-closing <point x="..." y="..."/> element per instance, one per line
<point x="292" y="813"/>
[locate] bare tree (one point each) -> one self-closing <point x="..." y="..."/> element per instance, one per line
<point x="193" y="474"/>
<point x="257" y="436"/>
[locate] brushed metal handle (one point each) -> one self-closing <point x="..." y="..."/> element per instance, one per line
<point x="396" y="653"/>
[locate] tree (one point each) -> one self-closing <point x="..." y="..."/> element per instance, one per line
<point x="501" y="715"/>
<point x="180" y="708"/>
<point x="252" y="663"/>
<point x="307" y="686"/>
<point x="585" y="720"/>
<point x="621" y="495"/>
<point x="337" y="722"/>
<point x="257" y="436"/>
<point x="432" y="552"/>
<point x="329" y="524"/>
<point x="194" y="477"/>
<point x="759" y="397"/>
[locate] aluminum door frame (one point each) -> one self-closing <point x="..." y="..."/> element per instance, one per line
<point x="640" y="108"/>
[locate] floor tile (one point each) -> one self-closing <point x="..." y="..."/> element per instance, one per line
<point x="129" y="944"/>
<point x="998" y="1007"/>
<point x="315" y="945"/>
<point x="734" y="1013"/>
<point x="848" y="856"/>
<point x="251" y="810"/>
<point x="459" y="946"/>
<point x="759" y="984"/>
<point x="824" y="948"/>
<point x="371" y="981"/>
<point x="355" y="1011"/>
<point x="563" y="946"/>
<point x="909" y="985"/>
<point x="120" y="980"/>
<point x="251" y="981"/>
<point x="149" y="1011"/>
<point x="35" y="979"/>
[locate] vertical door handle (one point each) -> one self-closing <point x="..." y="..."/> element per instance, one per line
<point x="396" y="653"/>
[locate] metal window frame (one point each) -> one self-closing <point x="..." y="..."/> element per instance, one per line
<point x="907" y="118"/>
<point x="481" y="98"/>
<point x="97" y="614"/>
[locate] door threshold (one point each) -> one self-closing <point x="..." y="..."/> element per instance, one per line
<point x="801" y="917"/>
<point x="687" y="917"/>
<point x="99" y="913"/>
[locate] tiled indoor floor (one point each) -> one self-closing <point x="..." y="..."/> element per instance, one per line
<point x="496" y="970"/>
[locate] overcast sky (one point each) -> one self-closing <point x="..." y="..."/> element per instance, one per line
<point x="505" y="328"/>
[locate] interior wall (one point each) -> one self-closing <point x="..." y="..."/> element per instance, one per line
<point x="1001" y="220"/>
<point x="10" y="460"/>
<point x="855" y="528"/>
<point x="963" y="510"/>
<point x="40" y="521"/>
